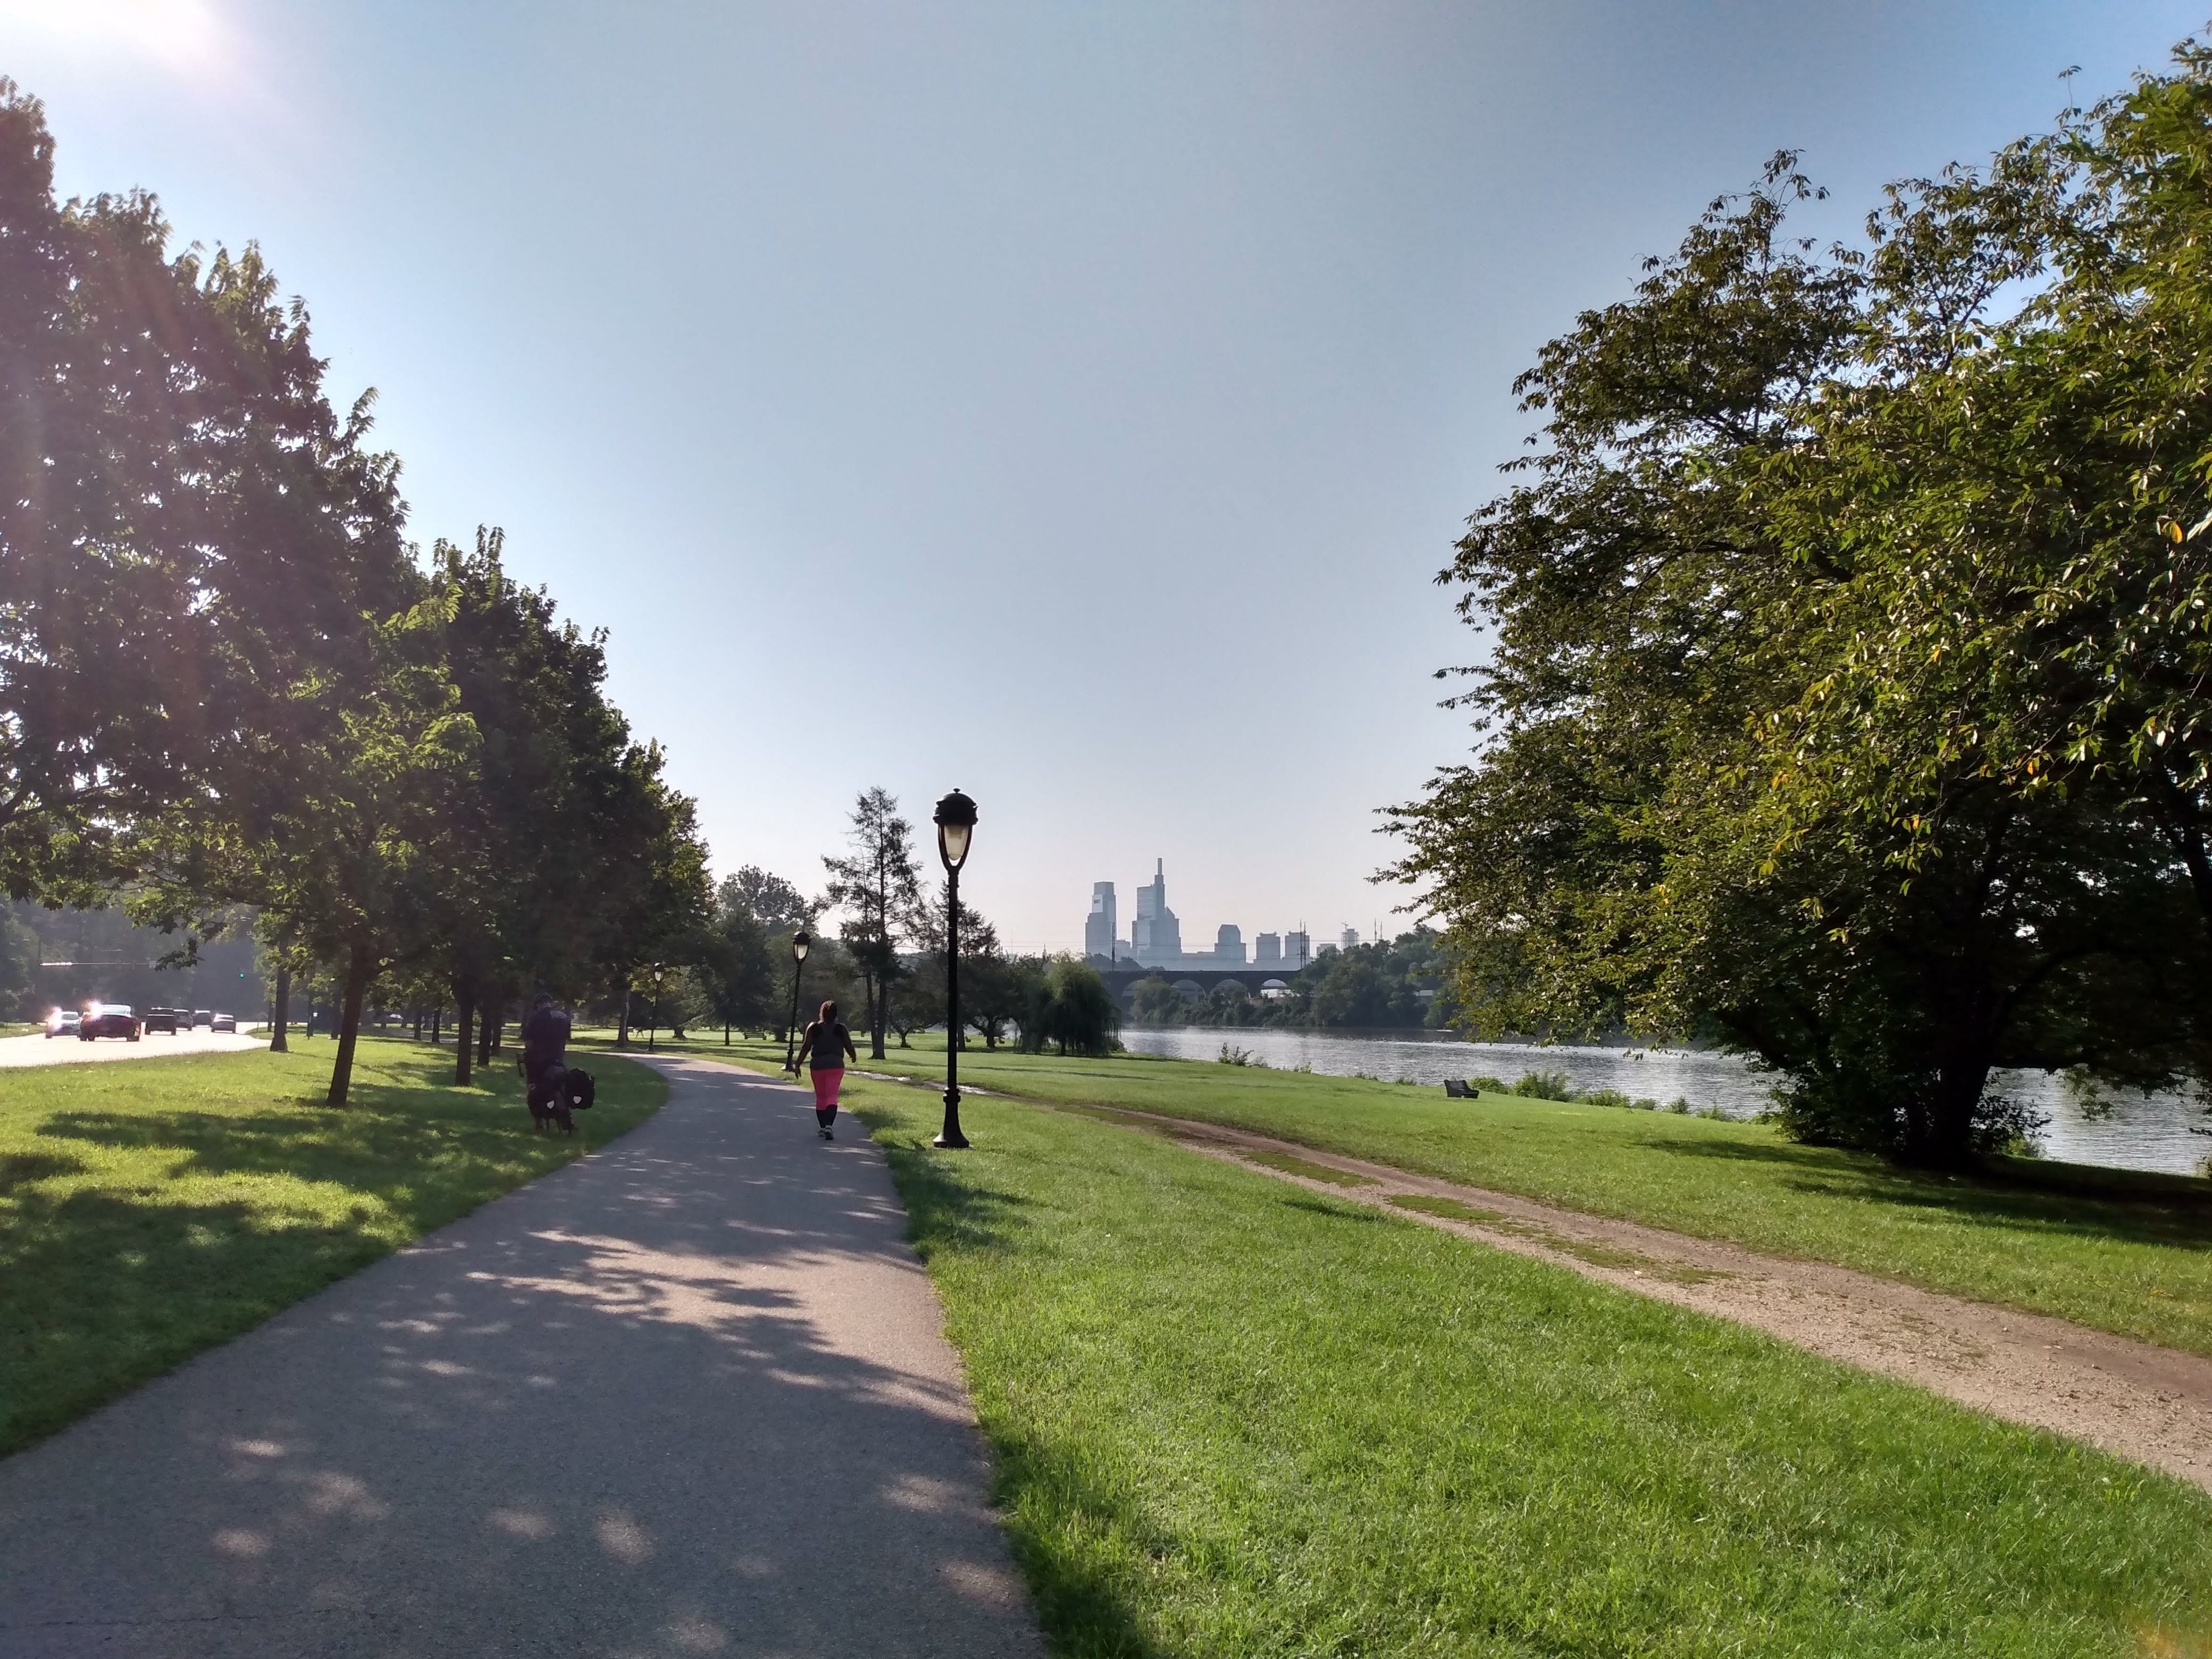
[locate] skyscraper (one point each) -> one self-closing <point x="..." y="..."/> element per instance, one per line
<point x="1298" y="948"/>
<point x="1102" y="929"/>
<point x="1155" y="936"/>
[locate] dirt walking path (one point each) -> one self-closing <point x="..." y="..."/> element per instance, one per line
<point x="2148" y="1404"/>
<point x="690" y="1394"/>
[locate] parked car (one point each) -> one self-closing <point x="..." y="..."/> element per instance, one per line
<point x="63" y="1022"/>
<point x="224" y="1023"/>
<point x="203" y="1016"/>
<point x="109" y="1019"/>
<point x="164" y="1020"/>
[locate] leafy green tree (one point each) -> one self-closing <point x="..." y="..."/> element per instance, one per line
<point x="878" y="886"/>
<point x="657" y="893"/>
<point x="779" y="906"/>
<point x="1153" y="1001"/>
<point x="557" y="826"/>
<point x="344" y="844"/>
<point x="737" y="973"/>
<point x="188" y="532"/>
<point x="1070" y="1007"/>
<point x="1805" y="726"/>
<point x="919" y="998"/>
<point x="991" y="997"/>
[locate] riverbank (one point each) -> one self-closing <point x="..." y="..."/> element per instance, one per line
<point x="2162" y="1132"/>
<point x="2124" y="1252"/>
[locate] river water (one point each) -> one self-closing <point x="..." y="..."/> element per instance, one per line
<point x="2158" y="1132"/>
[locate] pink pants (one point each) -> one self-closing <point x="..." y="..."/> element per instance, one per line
<point x="826" y="1085"/>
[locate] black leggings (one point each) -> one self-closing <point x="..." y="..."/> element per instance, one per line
<point x="825" y="1115"/>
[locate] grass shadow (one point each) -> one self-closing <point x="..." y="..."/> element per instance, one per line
<point x="943" y="1210"/>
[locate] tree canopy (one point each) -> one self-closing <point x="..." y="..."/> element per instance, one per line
<point x="227" y="679"/>
<point x="1845" y="701"/>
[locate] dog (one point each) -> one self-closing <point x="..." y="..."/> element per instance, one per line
<point x="563" y="1092"/>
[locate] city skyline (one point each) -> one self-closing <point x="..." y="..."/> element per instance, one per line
<point x="1155" y="938"/>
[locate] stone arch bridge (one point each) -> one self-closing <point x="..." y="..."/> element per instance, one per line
<point x="1121" y="978"/>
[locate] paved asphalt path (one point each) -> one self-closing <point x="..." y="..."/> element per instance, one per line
<point x="40" y="1049"/>
<point x="687" y="1395"/>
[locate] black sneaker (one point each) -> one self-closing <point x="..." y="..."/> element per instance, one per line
<point x="825" y="1134"/>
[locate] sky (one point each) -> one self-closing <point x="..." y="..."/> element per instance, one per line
<point x="1070" y="403"/>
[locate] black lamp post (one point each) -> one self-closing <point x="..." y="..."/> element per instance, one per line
<point x="799" y="944"/>
<point x="956" y="828"/>
<point x="659" y="972"/>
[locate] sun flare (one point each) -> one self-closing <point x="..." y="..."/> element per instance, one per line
<point x="178" y="33"/>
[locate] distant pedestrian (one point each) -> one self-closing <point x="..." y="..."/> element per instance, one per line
<point x="825" y="1044"/>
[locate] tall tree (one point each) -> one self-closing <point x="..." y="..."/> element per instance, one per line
<point x="878" y="886"/>
<point x="534" y="845"/>
<point x="656" y="893"/>
<point x="776" y="903"/>
<point x="738" y="973"/>
<point x="187" y="530"/>
<point x="1697" y="808"/>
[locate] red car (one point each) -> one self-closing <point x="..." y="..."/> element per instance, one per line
<point x="109" y="1019"/>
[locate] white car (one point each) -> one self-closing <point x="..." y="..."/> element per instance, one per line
<point x="63" y="1022"/>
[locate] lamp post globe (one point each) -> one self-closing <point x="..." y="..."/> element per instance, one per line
<point x="956" y="832"/>
<point x="659" y="972"/>
<point x="955" y="827"/>
<point x="801" y="942"/>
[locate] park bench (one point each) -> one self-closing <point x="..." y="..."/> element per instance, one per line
<point x="1456" y="1088"/>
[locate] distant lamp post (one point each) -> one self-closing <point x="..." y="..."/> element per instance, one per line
<point x="956" y="828"/>
<point x="659" y="973"/>
<point x="800" y="943"/>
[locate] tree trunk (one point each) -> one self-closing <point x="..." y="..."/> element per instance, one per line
<point x="281" y="1014"/>
<point x="879" y="1005"/>
<point x="464" y="996"/>
<point x="726" y="1034"/>
<point x="418" y="1022"/>
<point x="488" y="1013"/>
<point x="622" y="1027"/>
<point x="437" y="1025"/>
<point x="359" y="970"/>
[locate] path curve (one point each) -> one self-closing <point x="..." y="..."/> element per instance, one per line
<point x="2142" y="1402"/>
<point x="689" y="1394"/>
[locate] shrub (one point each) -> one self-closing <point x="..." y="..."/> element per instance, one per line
<point x="1486" y="1085"/>
<point x="1545" y="1086"/>
<point x="1612" y="1098"/>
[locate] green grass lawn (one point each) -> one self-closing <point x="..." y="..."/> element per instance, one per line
<point x="1229" y="1416"/>
<point x="2119" y="1252"/>
<point x="149" y="1209"/>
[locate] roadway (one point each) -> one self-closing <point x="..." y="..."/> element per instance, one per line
<point x="37" y="1049"/>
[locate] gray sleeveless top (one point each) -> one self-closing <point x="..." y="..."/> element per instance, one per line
<point x="828" y="1047"/>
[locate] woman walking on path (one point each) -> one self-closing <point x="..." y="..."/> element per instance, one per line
<point x="825" y="1043"/>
